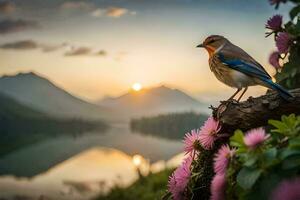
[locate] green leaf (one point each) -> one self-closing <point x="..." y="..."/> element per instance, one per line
<point x="289" y="120"/>
<point x="294" y="12"/>
<point x="237" y="139"/>
<point x="247" y="177"/>
<point x="167" y="196"/>
<point x="294" y="143"/>
<point x="251" y="161"/>
<point x="278" y="124"/>
<point x="270" y="153"/>
<point x="240" y="150"/>
<point x="270" y="156"/>
<point x="289" y="125"/>
<point x="288" y="152"/>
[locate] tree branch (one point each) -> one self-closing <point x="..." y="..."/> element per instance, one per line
<point x="255" y="112"/>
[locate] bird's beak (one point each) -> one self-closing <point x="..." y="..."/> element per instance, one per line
<point x="200" y="46"/>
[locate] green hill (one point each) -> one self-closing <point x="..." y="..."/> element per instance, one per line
<point x="21" y="125"/>
<point x="11" y="109"/>
<point x="173" y="125"/>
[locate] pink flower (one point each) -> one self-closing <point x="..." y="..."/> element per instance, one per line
<point x="177" y="194"/>
<point x="217" y="187"/>
<point x="287" y="190"/>
<point x="274" y="60"/>
<point x="283" y="42"/>
<point x="191" y="141"/>
<point x="179" y="179"/>
<point x="222" y="159"/>
<point x="274" y="23"/>
<point x="208" y="133"/>
<point x="255" y="137"/>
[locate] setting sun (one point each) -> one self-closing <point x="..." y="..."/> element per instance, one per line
<point x="136" y="87"/>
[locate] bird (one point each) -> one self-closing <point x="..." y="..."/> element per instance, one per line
<point x="236" y="68"/>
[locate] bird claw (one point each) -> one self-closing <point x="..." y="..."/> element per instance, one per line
<point x="235" y="102"/>
<point x="221" y="108"/>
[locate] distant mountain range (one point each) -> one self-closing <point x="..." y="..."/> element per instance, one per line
<point x="152" y="101"/>
<point x="41" y="94"/>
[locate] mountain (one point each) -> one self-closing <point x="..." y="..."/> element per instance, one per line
<point x="10" y="109"/>
<point x="41" y="94"/>
<point x="152" y="101"/>
<point x="21" y="125"/>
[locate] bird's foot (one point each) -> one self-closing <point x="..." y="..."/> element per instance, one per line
<point x="223" y="107"/>
<point x="235" y="102"/>
<point x="213" y="108"/>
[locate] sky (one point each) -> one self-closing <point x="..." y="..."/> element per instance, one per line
<point x="95" y="48"/>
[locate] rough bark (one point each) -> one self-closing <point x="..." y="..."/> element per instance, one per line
<point x="255" y="112"/>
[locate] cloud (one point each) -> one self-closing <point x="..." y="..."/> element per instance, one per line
<point x="85" y="51"/>
<point x="95" y="11"/>
<point x="111" y="12"/>
<point x="101" y="53"/>
<point x="69" y="49"/>
<point x="7" y="7"/>
<point x="133" y="12"/>
<point x="20" y="45"/>
<point x="98" y="12"/>
<point x="50" y="47"/>
<point x="30" y="45"/>
<point x="77" y="5"/>
<point x="79" y="51"/>
<point x="116" y="12"/>
<point x="11" y="26"/>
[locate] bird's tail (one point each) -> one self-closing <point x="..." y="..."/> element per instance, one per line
<point x="282" y="92"/>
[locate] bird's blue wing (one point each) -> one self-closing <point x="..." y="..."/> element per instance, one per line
<point x="243" y="66"/>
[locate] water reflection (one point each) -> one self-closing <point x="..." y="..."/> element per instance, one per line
<point x="49" y="153"/>
<point x="81" y="176"/>
<point x="79" y="168"/>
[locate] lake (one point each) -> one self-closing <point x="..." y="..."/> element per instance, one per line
<point x="69" y="167"/>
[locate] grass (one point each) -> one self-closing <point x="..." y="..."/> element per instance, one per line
<point x="151" y="187"/>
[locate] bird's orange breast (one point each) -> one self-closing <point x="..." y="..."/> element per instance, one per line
<point x="210" y="50"/>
